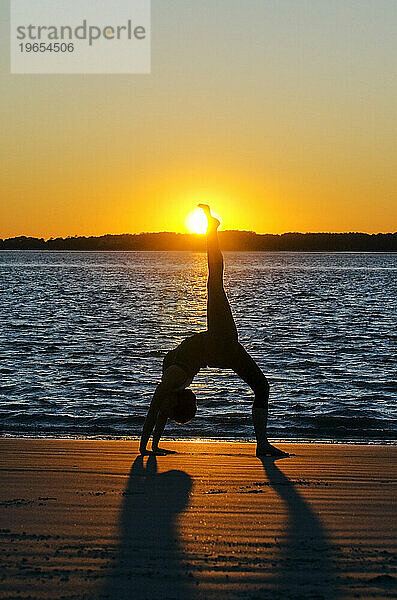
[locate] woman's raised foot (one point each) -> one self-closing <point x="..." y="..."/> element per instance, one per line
<point x="213" y="222"/>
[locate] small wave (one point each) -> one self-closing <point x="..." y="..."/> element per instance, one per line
<point x="350" y="423"/>
<point x="152" y="353"/>
<point x="127" y="352"/>
<point x="304" y="364"/>
<point x="50" y="349"/>
<point x="298" y="407"/>
<point x="6" y="387"/>
<point x="214" y="403"/>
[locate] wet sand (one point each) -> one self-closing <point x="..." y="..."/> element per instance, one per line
<point x="90" y="519"/>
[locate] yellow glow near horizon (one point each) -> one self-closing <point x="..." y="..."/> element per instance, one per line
<point x="196" y="221"/>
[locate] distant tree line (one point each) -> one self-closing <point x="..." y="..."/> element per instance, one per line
<point x="230" y="240"/>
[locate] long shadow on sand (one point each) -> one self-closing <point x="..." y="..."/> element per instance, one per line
<point x="306" y="568"/>
<point x="149" y="563"/>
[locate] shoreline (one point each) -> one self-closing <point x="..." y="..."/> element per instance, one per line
<point x="92" y="520"/>
<point x="209" y="440"/>
<point x="203" y="251"/>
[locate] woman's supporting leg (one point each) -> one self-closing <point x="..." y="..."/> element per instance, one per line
<point x="220" y="322"/>
<point x="246" y="368"/>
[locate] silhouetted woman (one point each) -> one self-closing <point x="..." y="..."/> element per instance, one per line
<point x="216" y="347"/>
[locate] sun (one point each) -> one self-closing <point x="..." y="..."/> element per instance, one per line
<point x="196" y="221"/>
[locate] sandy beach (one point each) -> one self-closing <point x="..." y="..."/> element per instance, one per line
<point x="92" y="519"/>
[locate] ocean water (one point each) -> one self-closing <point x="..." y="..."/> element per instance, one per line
<point x="83" y="335"/>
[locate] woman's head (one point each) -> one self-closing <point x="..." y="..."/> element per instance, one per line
<point x="183" y="407"/>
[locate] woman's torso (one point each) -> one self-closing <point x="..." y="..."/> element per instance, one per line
<point x="201" y="350"/>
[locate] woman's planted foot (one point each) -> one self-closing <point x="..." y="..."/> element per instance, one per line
<point x="269" y="450"/>
<point x="213" y="222"/>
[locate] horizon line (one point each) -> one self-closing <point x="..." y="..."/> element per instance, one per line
<point x="187" y="233"/>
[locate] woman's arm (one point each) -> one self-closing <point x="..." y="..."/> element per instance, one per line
<point x="161" y="422"/>
<point x="151" y="417"/>
<point x="173" y="379"/>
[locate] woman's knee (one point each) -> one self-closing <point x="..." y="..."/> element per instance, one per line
<point x="261" y="391"/>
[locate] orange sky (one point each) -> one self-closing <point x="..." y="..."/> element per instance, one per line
<point x="281" y="116"/>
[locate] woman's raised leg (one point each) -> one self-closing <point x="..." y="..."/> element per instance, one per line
<point x="220" y="322"/>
